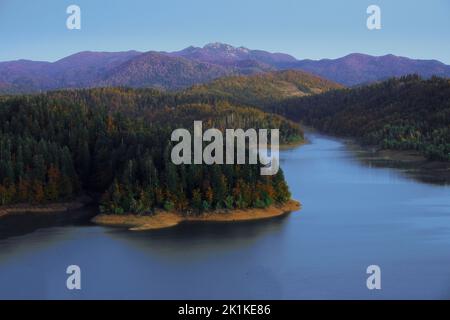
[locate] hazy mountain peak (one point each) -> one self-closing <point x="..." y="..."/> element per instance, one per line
<point x="226" y="54"/>
<point x="224" y="47"/>
<point x="218" y="45"/>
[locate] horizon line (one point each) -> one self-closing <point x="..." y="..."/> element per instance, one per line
<point x="236" y="47"/>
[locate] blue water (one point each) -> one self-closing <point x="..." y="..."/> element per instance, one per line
<point x="353" y="216"/>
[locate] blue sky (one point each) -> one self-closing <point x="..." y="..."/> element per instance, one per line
<point x="306" y="29"/>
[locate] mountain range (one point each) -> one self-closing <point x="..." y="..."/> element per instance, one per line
<point x="196" y="65"/>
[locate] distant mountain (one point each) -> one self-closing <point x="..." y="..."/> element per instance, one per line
<point x="265" y="90"/>
<point x="7" y="88"/>
<point x="157" y="70"/>
<point x="195" y="65"/>
<point x="248" y="67"/>
<point x="24" y="75"/>
<point x="224" y="54"/>
<point x="79" y="70"/>
<point x="131" y="68"/>
<point x="356" y="68"/>
<point x="83" y="69"/>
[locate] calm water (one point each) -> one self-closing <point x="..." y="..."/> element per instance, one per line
<point x="353" y="216"/>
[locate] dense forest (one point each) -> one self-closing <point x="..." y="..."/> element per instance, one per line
<point x="115" y="143"/>
<point x="406" y="113"/>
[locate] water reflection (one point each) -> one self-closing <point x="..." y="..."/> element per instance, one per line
<point x="433" y="172"/>
<point x="200" y="238"/>
<point x="21" y="224"/>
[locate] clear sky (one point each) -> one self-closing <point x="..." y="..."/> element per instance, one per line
<point x="306" y="29"/>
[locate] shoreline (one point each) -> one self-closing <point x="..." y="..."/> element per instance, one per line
<point x="409" y="162"/>
<point x="164" y="219"/>
<point x="45" y="209"/>
<point x="291" y="145"/>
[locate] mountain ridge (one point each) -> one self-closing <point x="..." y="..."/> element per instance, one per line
<point x="197" y="65"/>
<point x="359" y="68"/>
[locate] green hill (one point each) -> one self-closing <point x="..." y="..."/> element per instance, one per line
<point x="406" y="113"/>
<point x="266" y="89"/>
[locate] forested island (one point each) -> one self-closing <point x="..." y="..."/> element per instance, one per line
<point x="114" y="144"/>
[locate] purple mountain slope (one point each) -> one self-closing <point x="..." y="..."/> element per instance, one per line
<point x="79" y="70"/>
<point x="195" y="65"/>
<point x="356" y="68"/>
<point x="24" y="73"/>
<point x="157" y="70"/>
<point x="83" y="69"/>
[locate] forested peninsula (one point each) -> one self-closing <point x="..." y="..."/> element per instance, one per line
<point x="113" y="144"/>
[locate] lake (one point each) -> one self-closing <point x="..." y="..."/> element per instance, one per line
<point x="354" y="215"/>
